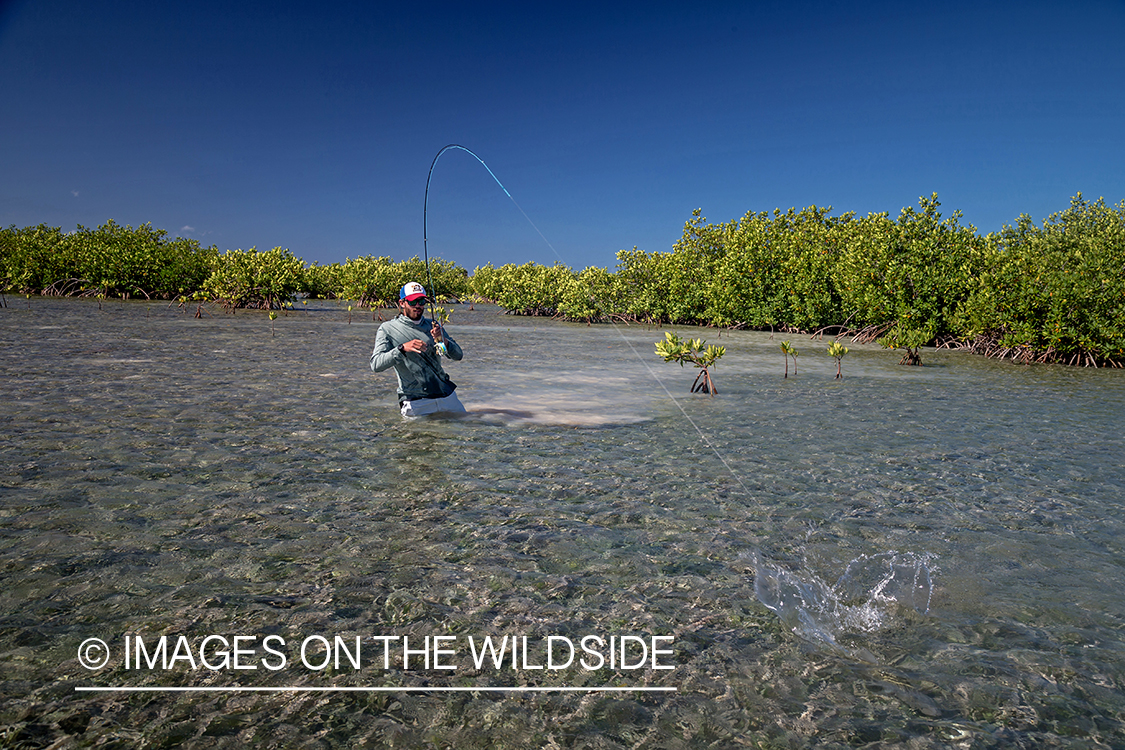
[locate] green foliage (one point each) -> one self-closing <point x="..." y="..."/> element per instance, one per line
<point x="909" y="277"/>
<point x="376" y="281"/>
<point x="323" y="282"/>
<point x="1053" y="293"/>
<point x="592" y="295"/>
<point x="250" y="278"/>
<point x="788" y="351"/>
<point x="644" y="296"/>
<point x="440" y="315"/>
<point x="675" y="349"/>
<point x="34" y="258"/>
<point x="528" y="289"/>
<point x="114" y="260"/>
<point x="486" y="282"/>
<point x="776" y="270"/>
<point x="450" y="281"/>
<point x="671" y="287"/>
<point x="746" y="281"/>
<point x="373" y="281"/>
<point x="108" y="261"/>
<point x="836" y="351"/>
<point x="1050" y="293"/>
<point x="686" y="271"/>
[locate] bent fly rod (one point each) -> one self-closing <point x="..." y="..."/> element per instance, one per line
<point x="426" y="208"/>
<point x="425" y="213"/>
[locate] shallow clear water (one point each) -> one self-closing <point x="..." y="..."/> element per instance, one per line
<point x="166" y="475"/>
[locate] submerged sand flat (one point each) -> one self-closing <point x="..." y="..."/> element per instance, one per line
<point x="908" y="555"/>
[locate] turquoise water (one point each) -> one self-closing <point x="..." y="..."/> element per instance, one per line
<point x="925" y="556"/>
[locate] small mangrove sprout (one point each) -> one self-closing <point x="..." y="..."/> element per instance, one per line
<point x="675" y="349"/>
<point x="836" y="350"/>
<point x="441" y="317"/>
<point x="788" y="351"/>
<point x="273" y="317"/>
<point x="199" y="297"/>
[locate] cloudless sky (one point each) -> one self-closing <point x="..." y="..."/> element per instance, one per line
<point x="312" y="126"/>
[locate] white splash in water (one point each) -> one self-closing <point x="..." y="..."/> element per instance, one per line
<point x="862" y="601"/>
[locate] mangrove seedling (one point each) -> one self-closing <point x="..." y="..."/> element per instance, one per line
<point x="788" y="351"/>
<point x="273" y="317"/>
<point x="349" y="314"/>
<point x="441" y="317"/>
<point x="675" y="349"/>
<point x="836" y="350"/>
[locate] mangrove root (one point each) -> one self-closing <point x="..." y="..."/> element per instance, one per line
<point x="703" y="383"/>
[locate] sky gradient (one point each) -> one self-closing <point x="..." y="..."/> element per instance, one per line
<point x="313" y="126"/>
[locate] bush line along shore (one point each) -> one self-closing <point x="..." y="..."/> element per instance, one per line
<point x="1030" y="293"/>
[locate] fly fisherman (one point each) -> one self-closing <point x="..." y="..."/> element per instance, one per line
<point x="409" y="343"/>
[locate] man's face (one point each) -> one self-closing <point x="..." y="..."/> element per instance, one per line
<point x="413" y="310"/>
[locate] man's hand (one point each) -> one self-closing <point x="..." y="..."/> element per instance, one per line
<point x="414" y="345"/>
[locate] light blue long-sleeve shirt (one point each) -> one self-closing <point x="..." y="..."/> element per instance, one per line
<point x="420" y="374"/>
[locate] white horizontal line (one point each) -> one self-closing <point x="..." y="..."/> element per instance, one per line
<point x="238" y="689"/>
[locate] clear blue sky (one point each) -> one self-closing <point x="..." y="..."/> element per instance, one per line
<point x="312" y="126"/>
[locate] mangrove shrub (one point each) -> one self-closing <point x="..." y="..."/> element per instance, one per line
<point x="528" y="289"/>
<point x="1054" y="293"/>
<point x="376" y="281"/>
<point x="908" y="277"/>
<point x="251" y="278"/>
<point x="675" y="349"/>
<point x="111" y="260"/>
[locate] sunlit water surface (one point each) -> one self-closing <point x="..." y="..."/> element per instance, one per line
<point x="927" y="556"/>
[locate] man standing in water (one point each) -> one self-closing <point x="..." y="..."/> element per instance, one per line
<point x="409" y="343"/>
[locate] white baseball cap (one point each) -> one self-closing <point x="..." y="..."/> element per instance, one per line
<point x="412" y="291"/>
